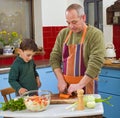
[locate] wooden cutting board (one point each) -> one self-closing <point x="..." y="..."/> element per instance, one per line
<point x="55" y="99"/>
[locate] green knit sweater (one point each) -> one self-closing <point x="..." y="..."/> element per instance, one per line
<point x="23" y="74"/>
<point x="93" y="51"/>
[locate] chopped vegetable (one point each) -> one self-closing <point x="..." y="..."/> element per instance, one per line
<point x="13" y="105"/>
<point x="62" y="95"/>
<point x="36" y="103"/>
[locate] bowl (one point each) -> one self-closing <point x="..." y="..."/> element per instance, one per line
<point x="37" y="100"/>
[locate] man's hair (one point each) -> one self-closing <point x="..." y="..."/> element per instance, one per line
<point x="28" y="44"/>
<point x="77" y="7"/>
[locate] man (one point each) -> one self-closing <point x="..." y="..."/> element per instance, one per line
<point x="80" y="49"/>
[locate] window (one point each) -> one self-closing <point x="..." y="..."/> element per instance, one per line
<point x="94" y="13"/>
<point x="16" y="15"/>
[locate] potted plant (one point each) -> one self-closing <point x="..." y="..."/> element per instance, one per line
<point x="9" y="41"/>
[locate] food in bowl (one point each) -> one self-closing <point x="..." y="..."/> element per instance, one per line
<point x="37" y="100"/>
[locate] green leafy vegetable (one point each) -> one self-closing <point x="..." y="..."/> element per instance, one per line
<point x="13" y="105"/>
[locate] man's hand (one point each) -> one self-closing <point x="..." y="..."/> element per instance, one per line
<point x="62" y="85"/>
<point x="84" y="81"/>
<point x="73" y="88"/>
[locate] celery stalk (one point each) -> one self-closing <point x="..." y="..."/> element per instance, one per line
<point x="72" y="105"/>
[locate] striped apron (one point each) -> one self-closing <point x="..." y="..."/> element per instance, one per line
<point x="73" y="63"/>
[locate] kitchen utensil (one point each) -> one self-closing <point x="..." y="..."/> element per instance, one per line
<point x="37" y="100"/>
<point x="8" y="50"/>
<point x="110" y="51"/>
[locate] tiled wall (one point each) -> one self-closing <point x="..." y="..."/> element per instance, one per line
<point x="116" y="39"/>
<point x="7" y="60"/>
<point x="49" y="37"/>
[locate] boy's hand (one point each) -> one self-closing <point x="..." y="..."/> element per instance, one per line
<point x="38" y="82"/>
<point x="22" y="91"/>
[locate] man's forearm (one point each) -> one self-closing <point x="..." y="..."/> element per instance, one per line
<point x="84" y="81"/>
<point x="58" y="73"/>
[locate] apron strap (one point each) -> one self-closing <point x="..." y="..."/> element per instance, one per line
<point x="70" y="32"/>
<point x="83" y="35"/>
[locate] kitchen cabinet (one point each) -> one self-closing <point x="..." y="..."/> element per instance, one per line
<point x="113" y="13"/>
<point x="109" y="85"/>
<point x="48" y="79"/>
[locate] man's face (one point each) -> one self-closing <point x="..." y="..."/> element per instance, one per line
<point x="75" y="22"/>
<point x="27" y="55"/>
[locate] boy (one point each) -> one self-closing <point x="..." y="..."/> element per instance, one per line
<point x="23" y="75"/>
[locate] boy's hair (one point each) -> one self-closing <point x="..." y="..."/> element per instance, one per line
<point x="28" y="44"/>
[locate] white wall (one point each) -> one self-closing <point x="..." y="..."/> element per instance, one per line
<point x="75" y="1"/>
<point x="53" y="12"/>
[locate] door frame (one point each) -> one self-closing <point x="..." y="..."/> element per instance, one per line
<point x="96" y="15"/>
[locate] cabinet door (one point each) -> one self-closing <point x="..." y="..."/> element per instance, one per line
<point x="48" y="79"/>
<point x="109" y="85"/>
<point x="110" y="72"/>
<point x="111" y="111"/>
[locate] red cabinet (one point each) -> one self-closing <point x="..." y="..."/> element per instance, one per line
<point x="7" y="60"/>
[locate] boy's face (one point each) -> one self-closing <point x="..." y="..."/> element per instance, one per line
<point x="26" y="55"/>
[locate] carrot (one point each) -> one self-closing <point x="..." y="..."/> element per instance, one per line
<point x="33" y="97"/>
<point x="62" y="95"/>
